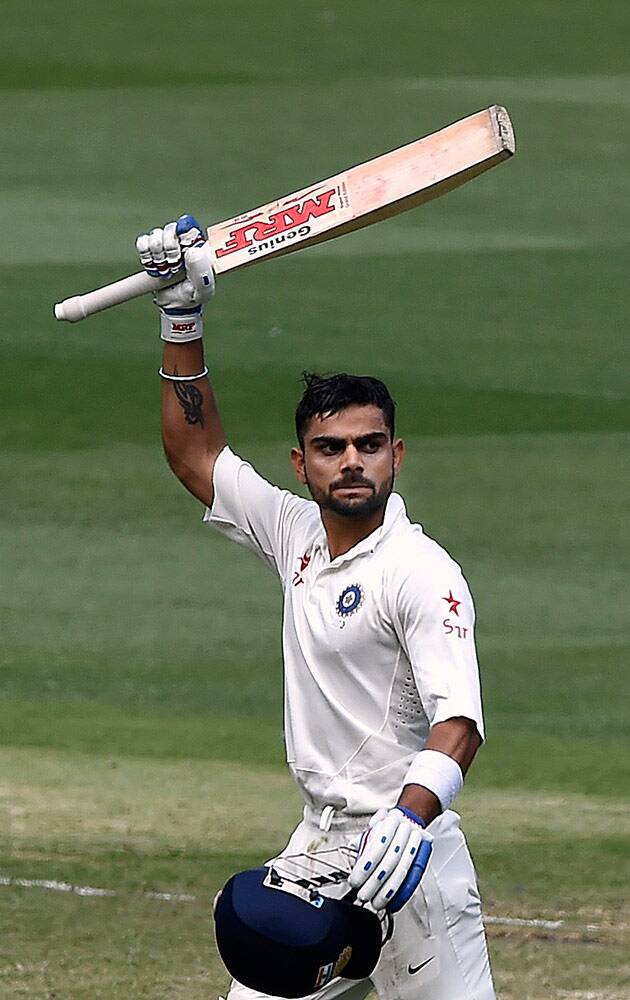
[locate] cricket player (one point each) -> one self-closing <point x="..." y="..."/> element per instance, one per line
<point x="382" y="702"/>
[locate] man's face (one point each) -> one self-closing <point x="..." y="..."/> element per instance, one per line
<point x="349" y="462"/>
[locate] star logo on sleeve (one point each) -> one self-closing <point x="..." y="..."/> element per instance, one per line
<point x="453" y="604"/>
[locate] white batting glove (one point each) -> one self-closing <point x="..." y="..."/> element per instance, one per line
<point x="179" y="248"/>
<point x="393" y="854"/>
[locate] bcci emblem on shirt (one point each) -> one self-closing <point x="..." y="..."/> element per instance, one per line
<point x="349" y="600"/>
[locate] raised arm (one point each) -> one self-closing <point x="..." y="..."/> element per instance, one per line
<point x="192" y="432"/>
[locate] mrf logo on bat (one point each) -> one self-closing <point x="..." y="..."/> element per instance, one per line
<point x="289" y="221"/>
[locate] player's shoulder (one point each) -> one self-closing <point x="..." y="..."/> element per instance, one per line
<point x="417" y="557"/>
<point x="420" y="573"/>
<point x="302" y="516"/>
<point x="298" y="518"/>
<point x="241" y="491"/>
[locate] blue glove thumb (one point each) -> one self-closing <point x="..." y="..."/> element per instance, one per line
<point x="189" y="232"/>
<point x="412" y="878"/>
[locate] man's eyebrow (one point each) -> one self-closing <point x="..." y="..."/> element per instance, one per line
<point x="331" y="439"/>
<point x="327" y="439"/>
<point x="372" y="436"/>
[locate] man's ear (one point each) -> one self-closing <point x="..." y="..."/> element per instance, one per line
<point x="398" y="448"/>
<point x="297" y="461"/>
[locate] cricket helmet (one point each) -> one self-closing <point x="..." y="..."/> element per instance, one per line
<point x="289" y="941"/>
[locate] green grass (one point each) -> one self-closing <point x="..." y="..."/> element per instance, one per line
<point x="140" y="669"/>
<point x="138" y="825"/>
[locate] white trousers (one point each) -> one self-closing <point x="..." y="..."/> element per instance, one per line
<point x="438" y="947"/>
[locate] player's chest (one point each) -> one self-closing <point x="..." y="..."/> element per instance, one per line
<point x="339" y="606"/>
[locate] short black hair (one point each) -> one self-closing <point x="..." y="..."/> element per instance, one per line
<point x="325" y="395"/>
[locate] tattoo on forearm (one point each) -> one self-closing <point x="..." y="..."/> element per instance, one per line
<point x="191" y="400"/>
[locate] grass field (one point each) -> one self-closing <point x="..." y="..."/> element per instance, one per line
<point x="140" y="727"/>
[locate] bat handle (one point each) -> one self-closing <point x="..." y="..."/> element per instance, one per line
<point x="80" y="306"/>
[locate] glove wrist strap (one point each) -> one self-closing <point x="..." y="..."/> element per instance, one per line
<point x="178" y="326"/>
<point x="412" y="816"/>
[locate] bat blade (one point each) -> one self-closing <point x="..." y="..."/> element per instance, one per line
<point x="370" y="192"/>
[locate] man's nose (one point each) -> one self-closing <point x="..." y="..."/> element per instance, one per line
<point x="352" y="458"/>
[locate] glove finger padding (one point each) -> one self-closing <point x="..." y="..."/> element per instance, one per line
<point x="373" y="845"/>
<point x="156" y="248"/>
<point x="393" y="855"/>
<point x="376" y="818"/>
<point x="392" y="881"/>
<point x="143" y="249"/>
<point x="163" y="253"/>
<point x="396" y="857"/>
<point x="172" y="248"/>
<point x="160" y="253"/>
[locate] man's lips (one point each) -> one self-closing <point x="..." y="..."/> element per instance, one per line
<point x="352" y="487"/>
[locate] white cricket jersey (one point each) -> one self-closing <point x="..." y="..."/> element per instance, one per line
<point x="378" y="644"/>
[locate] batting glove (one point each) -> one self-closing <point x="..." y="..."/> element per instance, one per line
<point x="393" y="854"/>
<point x="179" y="248"/>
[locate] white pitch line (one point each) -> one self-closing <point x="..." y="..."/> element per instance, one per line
<point x="88" y="890"/>
<point x="525" y="922"/>
<point x="186" y="897"/>
<point x="41" y="883"/>
<point x="173" y="897"/>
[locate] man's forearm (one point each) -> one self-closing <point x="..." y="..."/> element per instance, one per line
<point x="192" y="432"/>
<point x="459" y="740"/>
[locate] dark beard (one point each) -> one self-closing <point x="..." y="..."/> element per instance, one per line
<point x="374" y="501"/>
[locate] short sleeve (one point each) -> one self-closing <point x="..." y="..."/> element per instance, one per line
<point x="253" y="512"/>
<point x="434" y="618"/>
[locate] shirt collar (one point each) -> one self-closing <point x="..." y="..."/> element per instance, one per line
<point x="395" y="511"/>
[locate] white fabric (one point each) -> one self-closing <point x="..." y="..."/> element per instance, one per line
<point x="440" y="926"/>
<point x="378" y="643"/>
<point x="439" y="773"/>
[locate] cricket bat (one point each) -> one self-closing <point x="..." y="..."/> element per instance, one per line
<point x="377" y="189"/>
